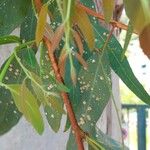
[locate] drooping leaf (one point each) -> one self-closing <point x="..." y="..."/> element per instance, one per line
<point x="78" y="41"/>
<point x="14" y="75"/>
<point x="107" y="142"/>
<point x="28" y="26"/>
<point x="50" y="85"/>
<point x="128" y="38"/>
<point x="121" y="67"/>
<point x="27" y="104"/>
<point x="12" y="15"/>
<point x="144" y="39"/>
<point x="94" y="93"/>
<point x="41" y="23"/>
<point x="124" y="71"/>
<point x="57" y="37"/>
<point x="81" y="18"/>
<point x="108" y="7"/>
<point x="138" y="13"/>
<point x="9" y="39"/>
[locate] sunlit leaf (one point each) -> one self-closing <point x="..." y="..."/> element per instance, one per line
<point x="27" y="104"/>
<point x="81" y="18"/>
<point x="41" y="24"/>
<point x="138" y="13"/>
<point x="127" y="39"/>
<point x="108" y="7"/>
<point x="9" y="39"/>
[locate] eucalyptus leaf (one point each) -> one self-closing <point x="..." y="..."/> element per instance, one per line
<point x="27" y="104"/>
<point x="14" y="75"/>
<point x="9" y="39"/>
<point x="12" y="13"/>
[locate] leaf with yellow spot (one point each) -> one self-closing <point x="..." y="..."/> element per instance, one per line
<point x="41" y="24"/>
<point x="81" y="18"/>
<point x="108" y="7"/>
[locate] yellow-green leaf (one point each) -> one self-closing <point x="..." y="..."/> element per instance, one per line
<point x="81" y="18"/>
<point x="138" y="13"/>
<point x="108" y="7"/>
<point x="27" y="104"/>
<point x="41" y="24"/>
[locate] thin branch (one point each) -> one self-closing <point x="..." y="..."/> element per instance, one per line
<point x="78" y="132"/>
<point x="101" y="17"/>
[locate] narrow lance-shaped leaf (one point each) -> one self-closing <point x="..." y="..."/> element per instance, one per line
<point x="94" y="94"/>
<point x="138" y="13"/>
<point x="9" y="39"/>
<point x="128" y="38"/>
<point x="52" y="114"/>
<point x="108" y="7"/>
<point x="41" y="24"/>
<point x="27" y="104"/>
<point x="81" y="18"/>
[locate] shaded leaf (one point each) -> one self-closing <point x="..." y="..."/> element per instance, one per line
<point x="94" y="93"/>
<point x="12" y="15"/>
<point x="41" y="24"/>
<point x="28" y="26"/>
<point x="108" y="7"/>
<point x="9" y="114"/>
<point x="144" y="39"/>
<point x="27" y="104"/>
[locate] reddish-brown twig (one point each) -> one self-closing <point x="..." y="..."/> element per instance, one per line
<point x="77" y="131"/>
<point x="101" y="17"/>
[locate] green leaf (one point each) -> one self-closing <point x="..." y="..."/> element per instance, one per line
<point x="108" y="7"/>
<point x="28" y="27"/>
<point x="27" y="104"/>
<point x="9" y="114"/>
<point x="94" y="93"/>
<point x="128" y="38"/>
<point x="138" y="13"/>
<point x="107" y="142"/>
<point x="54" y="110"/>
<point x="124" y="71"/>
<point x="9" y="39"/>
<point x="12" y="13"/>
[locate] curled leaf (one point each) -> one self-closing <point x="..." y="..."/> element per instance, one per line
<point x="41" y="24"/>
<point x="145" y="40"/>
